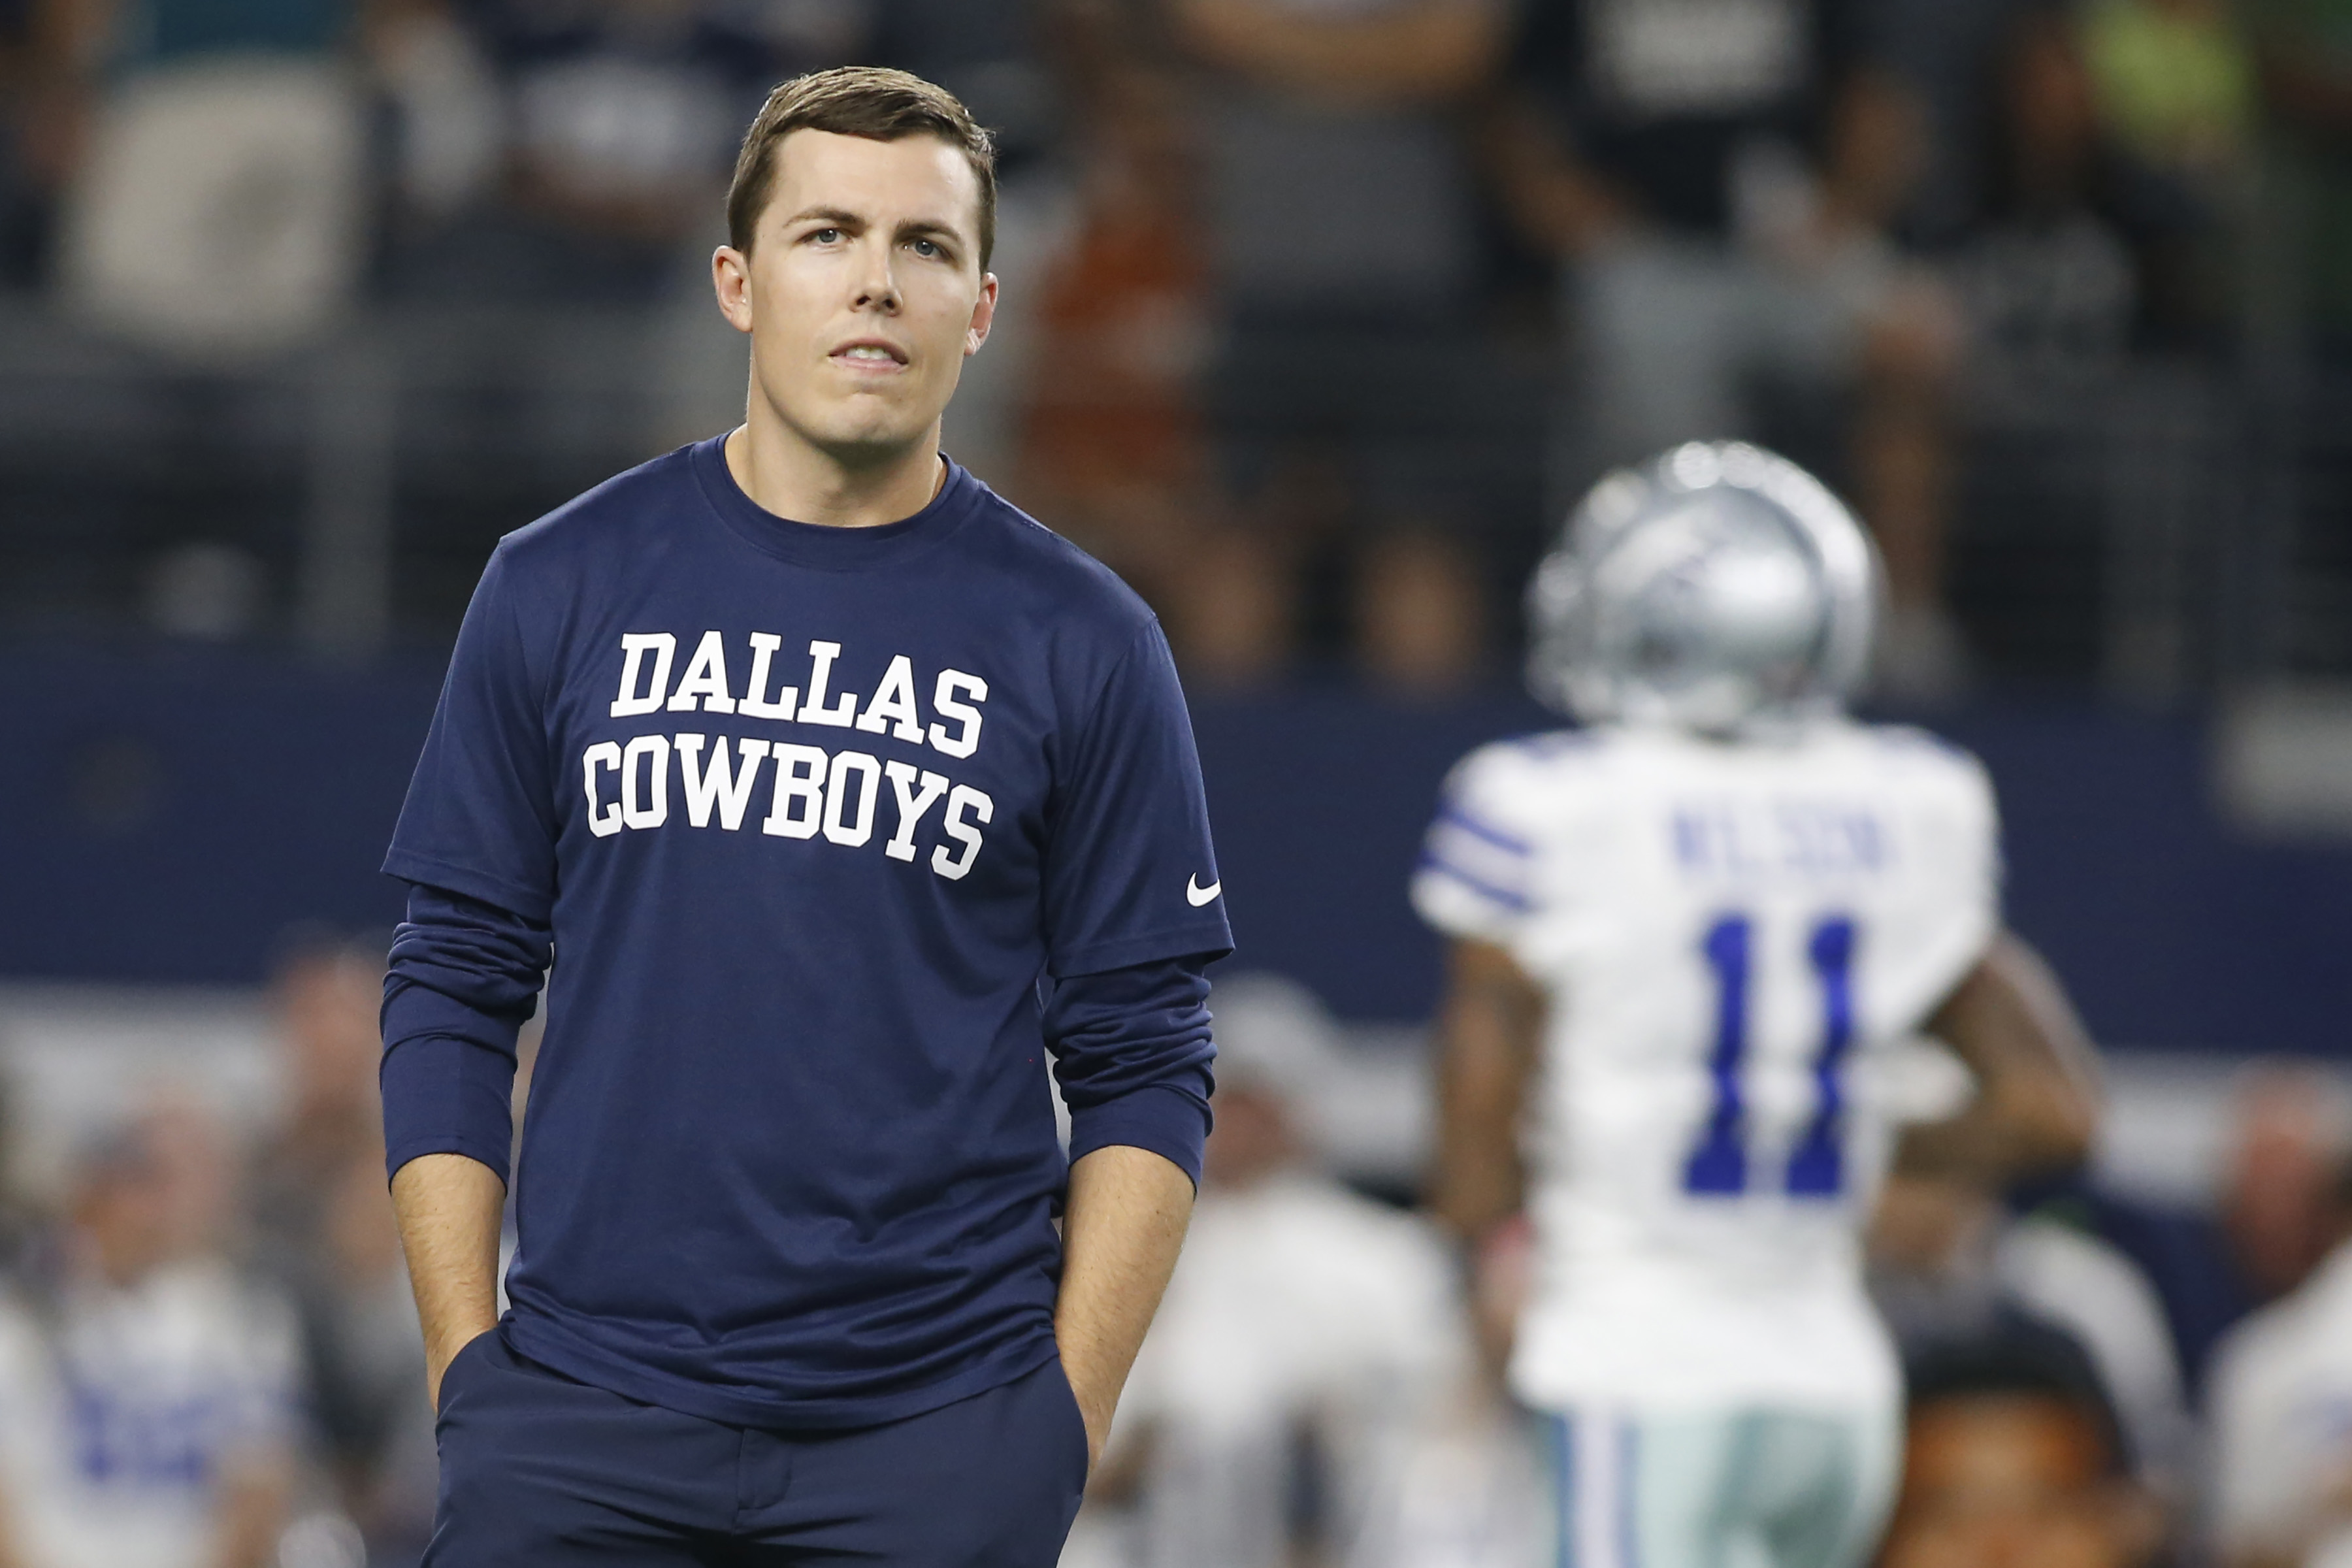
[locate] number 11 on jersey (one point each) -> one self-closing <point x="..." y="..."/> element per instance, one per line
<point x="1718" y="1165"/>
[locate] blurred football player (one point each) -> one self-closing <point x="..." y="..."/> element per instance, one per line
<point x="1687" y="942"/>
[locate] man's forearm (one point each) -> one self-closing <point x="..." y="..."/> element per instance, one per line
<point x="2037" y="1102"/>
<point x="1488" y="1037"/>
<point x="449" y="1207"/>
<point x="1121" y="1229"/>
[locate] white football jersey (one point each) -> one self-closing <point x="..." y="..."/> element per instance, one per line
<point x="1731" y="936"/>
<point x="119" y="1407"/>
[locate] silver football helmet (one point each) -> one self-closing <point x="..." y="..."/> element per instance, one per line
<point x="1718" y="588"/>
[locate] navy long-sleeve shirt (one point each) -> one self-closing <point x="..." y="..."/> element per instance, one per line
<point x="832" y="836"/>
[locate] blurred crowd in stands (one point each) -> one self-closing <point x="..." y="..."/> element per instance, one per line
<point x="209" y="1358"/>
<point x="1322" y="308"/>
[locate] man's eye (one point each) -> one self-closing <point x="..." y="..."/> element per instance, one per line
<point x="925" y="247"/>
<point x="826" y="235"/>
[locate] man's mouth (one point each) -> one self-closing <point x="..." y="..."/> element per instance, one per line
<point x="877" y="356"/>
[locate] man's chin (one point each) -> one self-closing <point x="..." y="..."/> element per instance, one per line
<point x="865" y="439"/>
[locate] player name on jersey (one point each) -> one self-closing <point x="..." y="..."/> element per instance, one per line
<point x="1788" y="837"/>
<point x="812" y="791"/>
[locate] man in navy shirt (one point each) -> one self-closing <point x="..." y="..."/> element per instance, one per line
<point x="840" y="796"/>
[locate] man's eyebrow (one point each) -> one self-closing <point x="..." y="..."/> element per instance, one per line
<point x="839" y="216"/>
<point x="925" y="228"/>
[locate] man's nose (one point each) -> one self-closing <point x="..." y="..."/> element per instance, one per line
<point x="878" y="284"/>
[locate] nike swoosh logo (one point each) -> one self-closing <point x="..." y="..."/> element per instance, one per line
<point x="1197" y="895"/>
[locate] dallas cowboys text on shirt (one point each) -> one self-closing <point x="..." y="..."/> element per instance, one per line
<point x="811" y="790"/>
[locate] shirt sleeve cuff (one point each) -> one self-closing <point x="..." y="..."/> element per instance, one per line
<point x="1169" y="1122"/>
<point x="473" y="1149"/>
<point x="445" y="1095"/>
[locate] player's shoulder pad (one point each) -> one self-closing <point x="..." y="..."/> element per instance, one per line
<point x="1495" y="781"/>
<point x="1518" y="757"/>
<point x="1922" y="755"/>
<point x="1911" y="743"/>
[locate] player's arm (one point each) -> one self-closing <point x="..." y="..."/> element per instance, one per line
<point x="449" y="1208"/>
<point x="1132" y="916"/>
<point x="1488" y="1031"/>
<point x="476" y="844"/>
<point x="464" y="976"/>
<point x="2036" y="1104"/>
<point x="1132" y="1053"/>
<point x="1121" y="1229"/>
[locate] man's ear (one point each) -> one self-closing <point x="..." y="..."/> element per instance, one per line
<point x="984" y="316"/>
<point x="731" y="276"/>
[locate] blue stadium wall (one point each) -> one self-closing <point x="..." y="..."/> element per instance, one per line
<point x="168" y="818"/>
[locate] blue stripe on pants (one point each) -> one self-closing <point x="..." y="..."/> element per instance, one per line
<point x="1629" y="1458"/>
<point x="1564" y="1447"/>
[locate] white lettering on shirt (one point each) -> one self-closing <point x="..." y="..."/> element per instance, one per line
<point x="838" y="829"/>
<point x="894" y="700"/>
<point x="732" y="794"/>
<point x="966" y="741"/>
<point x="816" y="792"/>
<point x="911" y="806"/>
<point x="841" y="714"/>
<point x="964" y="798"/>
<point x="652" y="809"/>
<point x="604" y="821"/>
<point x="705" y="679"/>
<point x="763" y="650"/>
<point x="633" y="646"/>
<point x="799" y="804"/>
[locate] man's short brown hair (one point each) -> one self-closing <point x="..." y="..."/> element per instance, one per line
<point x="858" y="101"/>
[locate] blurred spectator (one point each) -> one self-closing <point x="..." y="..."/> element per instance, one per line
<point x="1345" y="247"/>
<point x="1717" y="196"/>
<point x="2176" y="83"/>
<point x="2289" y="1125"/>
<point x="1114" y="451"/>
<point x="1335" y="184"/>
<point x="329" y="988"/>
<point x="1305" y="1337"/>
<point x="24" y="194"/>
<point x="444" y="118"/>
<point x="2282" y="1410"/>
<point x="365" y="1351"/>
<point x="2292" y="1128"/>
<point x="2079" y="249"/>
<point x="2304" y="51"/>
<point x="218" y="174"/>
<point x="621" y="120"/>
<point x="1473" y="1487"/>
<point x="1422" y="614"/>
<point x="329" y="1237"/>
<point x="2013" y="1461"/>
<point x="149" y="1387"/>
<point x="1947" y="1265"/>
